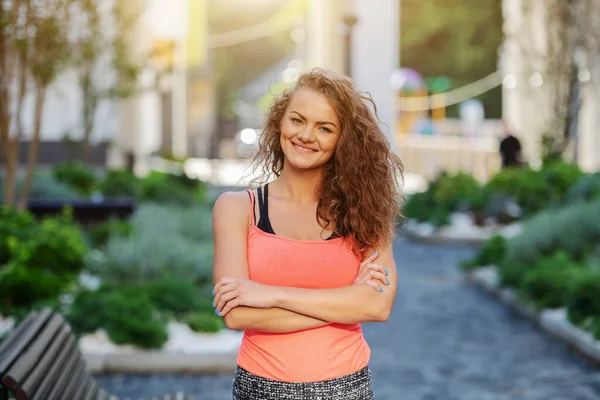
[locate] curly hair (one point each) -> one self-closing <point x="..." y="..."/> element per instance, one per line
<point x="360" y="196"/>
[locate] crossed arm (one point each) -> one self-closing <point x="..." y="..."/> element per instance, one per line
<point x="245" y="304"/>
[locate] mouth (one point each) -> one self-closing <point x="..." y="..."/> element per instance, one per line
<point x="304" y="150"/>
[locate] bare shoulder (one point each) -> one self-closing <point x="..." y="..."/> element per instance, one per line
<point x="232" y="205"/>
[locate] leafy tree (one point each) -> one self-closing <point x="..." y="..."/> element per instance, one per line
<point x="35" y="48"/>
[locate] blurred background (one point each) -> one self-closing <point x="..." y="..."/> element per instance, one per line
<point x="121" y="121"/>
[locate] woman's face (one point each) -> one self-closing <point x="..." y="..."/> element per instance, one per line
<point x="310" y="130"/>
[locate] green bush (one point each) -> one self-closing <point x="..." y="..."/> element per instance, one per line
<point x="205" y="322"/>
<point x="491" y="253"/>
<point x="177" y="297"/>
<point x="526" y="186"/>
<point x="160" y="246"/>
<point x="126" y="319"/>
<point x="420" y="206"/>
<point x="120" y="183"/>
<point x="171" y="189"/>
<point x="582" y="299"/>
<point x="14" y="225"/>
<point x="45" y="186"/>
<point x="561" y="177"/>
<point x="585" y="189"/>
<point x="574" y="228"/>
<point x="100" y="233"/>
<point x="547" y="283"/>
<point x="77" y="175"/>
<point x="452" y="192"/>
<point x="44" y="260"/>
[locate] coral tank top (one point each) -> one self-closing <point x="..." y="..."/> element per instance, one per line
<point x="315" y="354"/>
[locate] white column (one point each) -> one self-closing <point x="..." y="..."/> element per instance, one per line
<point x="375" y="55"/>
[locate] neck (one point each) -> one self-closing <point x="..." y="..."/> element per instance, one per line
<point x="299" y="185"/>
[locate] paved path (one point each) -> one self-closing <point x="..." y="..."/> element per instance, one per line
<point x="446" y="340"/>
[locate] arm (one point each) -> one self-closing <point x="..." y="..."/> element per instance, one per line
<point x="230" y="232"/>
<point x="350" y="304"/>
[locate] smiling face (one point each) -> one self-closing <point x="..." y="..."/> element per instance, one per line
<point x="310" y="130"/>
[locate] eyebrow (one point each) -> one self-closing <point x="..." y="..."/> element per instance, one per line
<point x="318" y="122"/>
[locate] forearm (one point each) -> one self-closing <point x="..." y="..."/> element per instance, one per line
<point x="272" y="320"/>
<point x="345" y="305"/>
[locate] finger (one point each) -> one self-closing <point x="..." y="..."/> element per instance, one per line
<point x="230" y="305"/>
<point x="222" y="291"/>
<point x="224" y="298"/>
<point x="373" y="284"/>
<point x="221" y="282"/>
<point x="378" y="267"/>
<point x="380" y="276"/>
<point x="370" y="259"/>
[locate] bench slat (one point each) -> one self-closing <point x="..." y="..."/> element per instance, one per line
<point x="64" y="377"/>
<point x="58" y="366"/>
<point x="14" y="336"/>
<point x="27" y="360"/>
<point x="76" y="381"/>
<point x="92" y="391"/>
<point x="40" y="370"/>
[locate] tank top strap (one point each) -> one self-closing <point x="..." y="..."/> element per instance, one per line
<point x="252" y="207"/>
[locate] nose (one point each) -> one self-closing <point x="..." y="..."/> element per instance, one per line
<point x="306" y="134"/>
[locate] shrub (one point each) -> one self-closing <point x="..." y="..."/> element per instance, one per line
<point x="100" y="233"/>
<point x="126" y="319"/>
<point x="582" y="300"/>
<point x="177" y="296"/>
<point x="44" y="259"/>
<point x="77" y="175"/>
<point x="117" y="183"/>
<point x="160" y="246"/>
<point x="45" y="186"/>
<point x="528" y="187"/>
<point x="452" y="192"/>
<point x="419" y="206"/>
<point x="205" y="322"/>
<point x="171" y="189"/>
<point x="546" y="284"/>
<point x="491" y="253"/>
<point x="575" y="228"/>
<point x="585" y="189"/>
<point x="561" y="177"/>
<point x="14" y="225"/>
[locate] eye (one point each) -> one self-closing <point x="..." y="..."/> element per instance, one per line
<point x="296" y="120"/>
<point x="325" y="129"/>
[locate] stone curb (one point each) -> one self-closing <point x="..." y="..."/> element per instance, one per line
<point x="554" y="322"/>
<point x="161" y="362"/>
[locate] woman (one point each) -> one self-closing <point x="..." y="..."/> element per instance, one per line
<point x="301" y="268"/>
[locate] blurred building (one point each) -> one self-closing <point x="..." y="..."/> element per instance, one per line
<point x="529" y="94"/>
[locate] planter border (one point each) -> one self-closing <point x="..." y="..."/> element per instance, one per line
<point x="553" y="322"/>
<point x="147" y="362"/>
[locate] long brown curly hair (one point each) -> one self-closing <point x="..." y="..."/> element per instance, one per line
<point x="360" y="196"/>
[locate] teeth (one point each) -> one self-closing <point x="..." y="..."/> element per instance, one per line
<point x="303" y="149"/>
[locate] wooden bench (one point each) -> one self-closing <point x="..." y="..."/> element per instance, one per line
<point x="40" y="360"/>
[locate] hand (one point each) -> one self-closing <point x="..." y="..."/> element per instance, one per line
<point x="372" y="274"/>
<point x="235" y="292"/>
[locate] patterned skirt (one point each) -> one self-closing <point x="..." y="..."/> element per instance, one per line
<point x="356" y="386"/>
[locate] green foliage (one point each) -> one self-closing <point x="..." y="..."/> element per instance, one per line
<point x="446" y="194"/>
<point x="583" y="303"/>
<point x="166" y="242"/>
<point x="574" y="228"/>
<point x="14" y="226"/>
<point x="177" y="296"/>
<point x="547" y="283"/>
<point x="45" y="186"/>
<point x="100" y="233"/>
<point x="171" y="189"/>
<point x="561" y="177"/>
<point x="585" y="189"/>
<point x="531" y="192"/>
<point x="205" y="322"/>
<point x="77" y="175"/>
<point x="40" y="260"/>
<point x="127" y="319"/>
<point x="117" y="183"/>
<point x="491" y="253"/>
